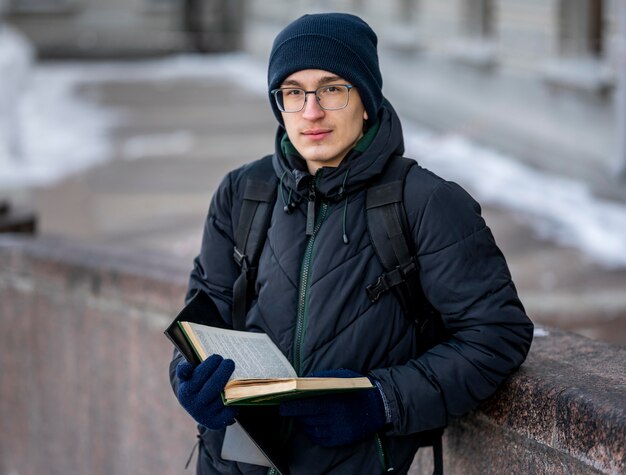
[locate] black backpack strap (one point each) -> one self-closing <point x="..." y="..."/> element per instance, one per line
<point x="389" y="232"/>
<point x="388" y="229"/>
<point x="438" y="454"/>
<point x="254" y="220"/>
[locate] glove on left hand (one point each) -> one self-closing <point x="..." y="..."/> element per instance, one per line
<point x="200" y="390"/>
<point x="338" y="419"/>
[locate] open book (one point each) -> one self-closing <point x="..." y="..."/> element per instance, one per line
<point x="262" y="373"/>
<point x="253" y="439"/>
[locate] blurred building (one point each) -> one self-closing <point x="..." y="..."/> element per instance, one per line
<point x="113" y="28"/>
<point x="537" y="79"/>
<point x="542" y="80"/>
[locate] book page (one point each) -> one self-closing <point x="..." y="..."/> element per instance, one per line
<point x="254" y="354"/>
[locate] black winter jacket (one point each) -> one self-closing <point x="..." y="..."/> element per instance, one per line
<point x="463" y="274"/>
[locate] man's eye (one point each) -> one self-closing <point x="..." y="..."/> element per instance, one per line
<point x="329" y="90"/>
<point x="293" y="92"/>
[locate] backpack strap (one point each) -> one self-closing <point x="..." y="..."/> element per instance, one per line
<point x="438" y="453"/>
<point x="389" y="232"/>
<point x="254" y="219"/>
<point x="388" y="229"/>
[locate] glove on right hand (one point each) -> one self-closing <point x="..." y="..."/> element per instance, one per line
<point x="200" y="388"/>
<point x="331" y="420"/>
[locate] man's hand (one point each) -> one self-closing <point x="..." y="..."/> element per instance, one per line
<point x="338" y="419"/>
<point x="200" y="389"/>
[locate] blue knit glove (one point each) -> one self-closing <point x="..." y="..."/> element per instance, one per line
<point x="338" y="419"/>
<point x="200" y="389"/>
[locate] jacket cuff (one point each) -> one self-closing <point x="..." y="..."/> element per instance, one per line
<point x="392" y="410"/>
<point x="385" y="402"/>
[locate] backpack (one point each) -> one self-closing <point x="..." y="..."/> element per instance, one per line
<point x="389" y="233"/>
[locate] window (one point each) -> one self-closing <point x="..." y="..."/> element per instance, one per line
<point x="402" y="30"/>
<point x="408" y="11"/>
<point x="478" y="18"/>
<point x="581" y="51"/>
<point x="475" y="45"/>
<point x="581" y="28"/>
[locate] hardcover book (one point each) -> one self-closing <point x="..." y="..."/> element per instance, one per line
<point x="263" y="377"/>
<point x="262" y="373"/>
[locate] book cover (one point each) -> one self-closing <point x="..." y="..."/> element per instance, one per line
<point x="254" y="421"/>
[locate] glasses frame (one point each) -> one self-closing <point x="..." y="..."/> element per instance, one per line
<point x="275" y="92"/>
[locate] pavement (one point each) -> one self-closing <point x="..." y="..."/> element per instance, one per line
<point x="153" y="196"/>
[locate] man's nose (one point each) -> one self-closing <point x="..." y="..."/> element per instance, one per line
<point x="312" y="109"/>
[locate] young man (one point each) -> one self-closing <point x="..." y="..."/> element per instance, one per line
<point x="336" y="135"/>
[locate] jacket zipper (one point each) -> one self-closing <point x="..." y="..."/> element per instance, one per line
<point x="310" y="210"/>
<point x="305" y="276"/>
<point x="387" y="468"/>
<point x="311" y="231"/>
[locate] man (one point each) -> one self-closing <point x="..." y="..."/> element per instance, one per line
<point x="336" y="134"/>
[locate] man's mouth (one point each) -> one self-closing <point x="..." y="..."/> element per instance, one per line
<point x="316" y="134"/>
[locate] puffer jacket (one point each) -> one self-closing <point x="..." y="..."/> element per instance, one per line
<point x="313" y="304"/>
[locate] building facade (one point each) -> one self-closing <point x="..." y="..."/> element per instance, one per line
<point x="114" y="28"/>
<point x="538" y="79"/>
<point x="542" y="80"/>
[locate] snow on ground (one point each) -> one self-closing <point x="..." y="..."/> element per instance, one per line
<point x="558" y="208"/>
<point x="61" y="133"/>
<point x="238" y="68"/>
<point x="16" y="58"/>
<point x="50" y="131"/>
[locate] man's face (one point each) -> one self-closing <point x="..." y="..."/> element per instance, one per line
<point x="323" y="137"/>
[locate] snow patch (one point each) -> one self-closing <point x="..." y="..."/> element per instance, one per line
<point x="61" y="132"/>
<point x="558" y="208"/>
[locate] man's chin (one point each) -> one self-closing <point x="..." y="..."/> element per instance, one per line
<point x="315" y="156"/>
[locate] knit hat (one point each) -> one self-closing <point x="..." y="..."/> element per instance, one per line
<point x="337" y="42"/>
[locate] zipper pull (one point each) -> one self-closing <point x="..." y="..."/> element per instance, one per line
<point x="310" y="210"/>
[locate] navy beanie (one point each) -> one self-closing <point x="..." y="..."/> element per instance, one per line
<point x="337" y="42"/>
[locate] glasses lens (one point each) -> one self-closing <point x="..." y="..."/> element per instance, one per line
<point x="333" y="96"/>
<point x="290" y="99"/>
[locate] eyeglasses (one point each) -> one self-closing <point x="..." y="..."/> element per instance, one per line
<point x="331" y="97"/>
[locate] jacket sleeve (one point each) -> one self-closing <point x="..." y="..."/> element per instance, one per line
<point x="214" y="269"/>
<point x="465" y="277"/>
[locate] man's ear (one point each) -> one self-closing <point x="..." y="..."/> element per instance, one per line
<point x="365" y="117"/>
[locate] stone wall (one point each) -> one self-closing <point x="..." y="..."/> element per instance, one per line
<point x="84" y="385"/>
<point x="564" y="412"/>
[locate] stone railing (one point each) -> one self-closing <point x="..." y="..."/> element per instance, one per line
<point x="84" y="385"/>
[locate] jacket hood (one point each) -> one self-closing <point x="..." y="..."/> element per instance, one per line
<point x="355" y="170"/>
